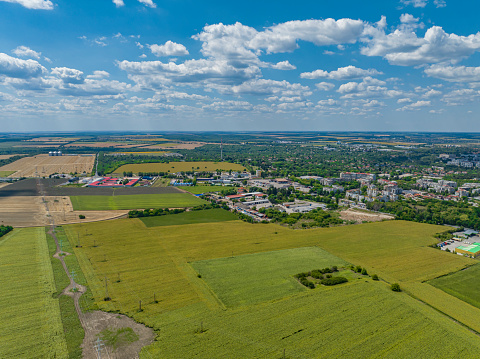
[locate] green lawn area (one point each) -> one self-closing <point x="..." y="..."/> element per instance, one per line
<point x="30" y="325"/>
<point x="6" y="173"/>
<point x="203" y="189"/>
<point x="138" y="201"/>
<point x="464" y="285"/>
<point x="255" y="278"/>
<point x="205" y="216"/>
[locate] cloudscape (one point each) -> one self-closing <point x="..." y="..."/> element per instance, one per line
<point x="406" y="65"/>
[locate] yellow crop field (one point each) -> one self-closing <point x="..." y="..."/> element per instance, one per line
<point x="31" y="326"/>
<point x="174" y="167"/>
<point x="45" y="165"/>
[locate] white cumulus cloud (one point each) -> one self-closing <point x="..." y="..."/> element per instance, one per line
<point x="148" y="3"/>
<point x="18" y="68"/>
<point x="33" y="4"/>
<point x="454" y="73"/>
<point x="67" y="75"/>
<point x="342" y="73"/>
<point x="24" y="51"/>
<point x="170" y="48"/>
<point x="118" y="3"/>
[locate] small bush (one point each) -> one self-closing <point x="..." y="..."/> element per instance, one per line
<point x="334" y="269"/>
<point x="375" y="277"/>
<point x="81" y="216"/>
<point x="358" y="269"/>
<point x="395" y="287"/>
<point x="364" y="271"/>
<point x="328" y="276"/>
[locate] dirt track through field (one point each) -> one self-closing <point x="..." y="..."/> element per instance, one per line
<point x="94" y="323"/>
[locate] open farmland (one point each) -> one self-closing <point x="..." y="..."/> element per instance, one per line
<point x="394" y="250"/>
<point x="31" y="325"/>
<point x="206" y="216"/>
<point x="6" y="173"/>
<point x="243" y="280"/>
<point x="45" y="165"/>
<point x="362" y="320"/>
<point x="174" y="167"/>
<point x="138" y="201"/>
<point x="463" y="285"/>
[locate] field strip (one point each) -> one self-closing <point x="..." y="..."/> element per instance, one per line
<point x="453" y="307"/>
<point x="31" y="323"/>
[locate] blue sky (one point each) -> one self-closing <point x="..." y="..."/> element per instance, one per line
<point x="151" y="65"/>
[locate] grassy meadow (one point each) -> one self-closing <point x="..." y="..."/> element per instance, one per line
<point x="31" y="325"/>
<point x="192" y="217"/>
<point x="260" y="277"/>
<point x="137" y="201"/>
<point x="463" y="285"/>
<point x="174" y="167"/>
<point x="6" y="173"/>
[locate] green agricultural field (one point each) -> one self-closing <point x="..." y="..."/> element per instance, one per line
<point x="204" y="216"/>
<point x="260" y="277"/>
<point x="137" y="201"/>
<point x="174" y="167"/>
<point x="6" y="173"/>
<point x="395" y="250"/>
<point x="463" y="285"/>
<point x="30" y="325"/>
<point x="203" y="189"/>
<point x="359" y="319"/>
<point x="362" y="320"/>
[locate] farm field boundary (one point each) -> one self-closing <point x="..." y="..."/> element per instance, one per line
<point x="453" y="307"/>
<point x="243" y="280"/>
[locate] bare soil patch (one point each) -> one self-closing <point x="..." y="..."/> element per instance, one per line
<point x="30" y="211"/>
<point x="45" y="165"/>
<point x="98" y="321"/>
<point x="360" y="216"/>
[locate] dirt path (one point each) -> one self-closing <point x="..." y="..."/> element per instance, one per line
<point x="94" y="323"/>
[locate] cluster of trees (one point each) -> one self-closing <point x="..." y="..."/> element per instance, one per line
<point x="432" y="211"/>
<point x="153" y="212"/>
<point x="314" y="218"/>
<point x="5" y="229"/>
<point x="166" y="211"/>
<point x="324" y="275"/>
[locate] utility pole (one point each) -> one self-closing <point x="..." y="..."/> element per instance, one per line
<point x="73" y="280"/>
<point x="107" y="297"/>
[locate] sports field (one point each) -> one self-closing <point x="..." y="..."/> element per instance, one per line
<point x="174" y="167"/>
<point x="138" y="201"/>
<point x="31" y="326"/>
<point x="260" y="277"/>
<point x="206" y="216"/>
<point x="463" y="285"/>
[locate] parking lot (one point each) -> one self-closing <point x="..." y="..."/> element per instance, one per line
<point x="452" y="244"/>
